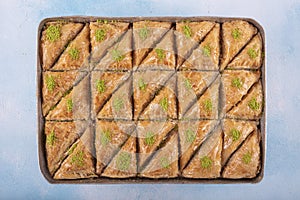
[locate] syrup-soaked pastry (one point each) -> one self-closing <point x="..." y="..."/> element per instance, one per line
<point x="235" y="35"/>
<point x="55" y="38"/>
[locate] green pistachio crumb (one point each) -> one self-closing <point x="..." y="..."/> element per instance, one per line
<point x="252" y="53"/>
<point x="187" y="83"/>
<point x="189" y="136"/>
<point x="164" y="162"/>
<point x="53" y="33"/>
<point x="235" y="134"/>
<point x="50" y="83"/>
<point x="236" y="34"/>
<point x="187" y="31"/>
<point x="253" y="104"/>
<point x="160" y="54"/>
<point x="164" y="103"/>
<point x="142" y="84"/>
<point x="71" y="150"/>
<point x="236" y="82"/>
<point x="105" y="137"/>
<point x="77" y="159"/>
<point x="208" y="105"/>
<point x="247" y="158"/>
<point x="150" y="138"/>
<point x="144" y="32"/>
<point x="69" y="105"/>
<point x="123" y="161"/>
<point x="206" y="50"/>
<point x="206" y="162"/>
<point x="117" y="55"/>
<point x="100" y="34"/>
<point x="100" y="85"/>
<point x="74" y="53"/>
<point x="51" y="138"/>
<point x="118" y="104"/>
<point x="102" y="21"/>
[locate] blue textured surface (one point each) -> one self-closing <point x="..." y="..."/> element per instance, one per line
<point x="20" y="176"/>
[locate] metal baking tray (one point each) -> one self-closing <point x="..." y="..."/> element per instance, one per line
<point x="139" y="180"/>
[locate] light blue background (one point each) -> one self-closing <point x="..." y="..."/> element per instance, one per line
<point x="20" y="177"/>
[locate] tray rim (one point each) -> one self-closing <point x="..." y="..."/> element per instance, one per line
<point x="138" y="180"/>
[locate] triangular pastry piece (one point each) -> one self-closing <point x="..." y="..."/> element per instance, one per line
<point x="110" y="136"/>
<point x="191" y="135"/>
<point x="207" y="106"/>
<point x="207" y="161"/>
<point x="59" y="137"/>
<point x="124" y="164"/>
<point x="236" y="84"/>
<point x="150" y="135"/>
<point x="145" y="35"/>
<point x="163" y="106"/>
<point x="190" y="86"/>
<point x="76" y="54"/>
<point x="250" y="57"/>
<point x="74" y="106"/>
<point x="103" y="35"/>
<point x="56" y="85"/>
<point x="164" y="164"/>
<point x="235" y="35"/>
<point x="119" y="106"/>
<point x="188" y="36"/>
<point x="235" y="132"/>
<point x="145" y="86"/>
<point x="206" y="56"/>
<point x="118" y="57"/>
<point x="80" y="162"/>
<point x="55" y="37"/>
<point x="162" y="57"/>
<point x="103" y="85"/>
<point x="245" y="163"/>
<point x="251" y="106"/>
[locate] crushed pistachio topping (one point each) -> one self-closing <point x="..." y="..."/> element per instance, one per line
<point x="247" y="158"/>
<point x="164" y="162"/>
<point x="123" y="161"/>
<point x="71" y="150"/>
<point x="50" y="83"/>
<point x="187" y="83"/>
<point x="150" y="138"/>
<point x="235" y="134"/>
<point x="105" y="137"/>
<point x="100" y="85"/>
<point x="236" y="82"/>
<point x="69" y="105"/>
<point x="253" y="104"/>
<point x="118" y="104"/>
<point x="160" y="54"/>
<point x="53" y="33"/>
<point x="102" y="21"/>
<point x="206" y="162"/>
<point x="117" y="55"/>
<point x="236" y="34"/>
<point x="77" y="159"/>
<point x="144" y="32"/>
<point x="74" y="53"/>
<point x="164" y="103"/>
<point x="51" y="138"/>
<point x="189" y="136"/>
<point x="142" y="84"/>
<point x="206" y="50"/>
<point x="100" y="35"/>
<point x="208" y="105"/>
<point x="187" y="31"/>
<point x="252" y="53"/>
